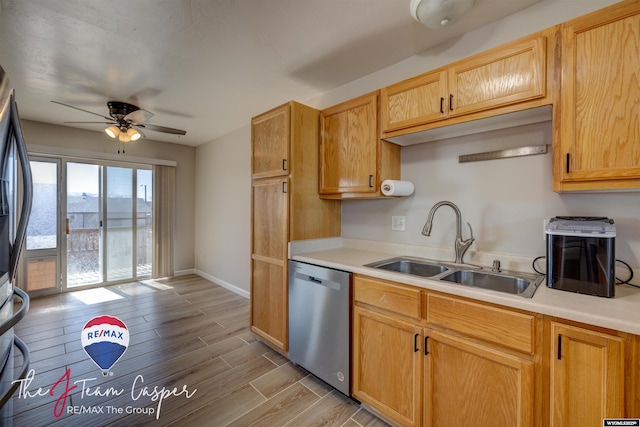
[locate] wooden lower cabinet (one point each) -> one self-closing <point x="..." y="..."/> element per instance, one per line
<point x="467" y="383"/>
<point x="387" y="366"/>
<point x="587" y="376"/>
<point x="269" y="260"/>
<point x="268" y="318"/>
<point x="425" y="358"/>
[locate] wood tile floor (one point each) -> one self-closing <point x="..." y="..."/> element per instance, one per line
<point x="187" y="335"/>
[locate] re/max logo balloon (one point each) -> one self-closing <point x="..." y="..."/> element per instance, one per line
<point x="105" y="339"/>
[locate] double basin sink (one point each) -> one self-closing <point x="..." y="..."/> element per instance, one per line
<point x="521" y="284"/>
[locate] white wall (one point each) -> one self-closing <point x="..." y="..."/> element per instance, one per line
<point x="42" y="134"/>
<point x="504" y="200"/>
<point x="223" y="210"/>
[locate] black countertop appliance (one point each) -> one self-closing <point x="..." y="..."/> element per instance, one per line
<point x="581" y="255"/>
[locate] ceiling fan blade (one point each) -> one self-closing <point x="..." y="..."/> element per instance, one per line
<point x="81" y="109"/>
<point x="163" y="129"/>
<point x="138" y="116"/>
<point x="97" y="123"/>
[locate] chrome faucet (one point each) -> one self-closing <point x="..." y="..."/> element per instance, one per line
<point x="461" y="246"/>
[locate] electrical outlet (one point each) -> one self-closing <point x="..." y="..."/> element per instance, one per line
<point x="398" y="223"/>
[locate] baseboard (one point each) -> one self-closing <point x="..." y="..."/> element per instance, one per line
<point x="185" y="272"/>
<point x="224" y="284"/>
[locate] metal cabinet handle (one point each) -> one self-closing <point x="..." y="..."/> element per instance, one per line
<point x="284" y="186"/>
<point x="415" y="342"/>
<point x="426" y="352"/>
<point x="441" y="105"/>
<point x="559" y="346"/>
<point x="370" y="181"/>
<point x="284" y="164"/>
<point x="451" y="102"/>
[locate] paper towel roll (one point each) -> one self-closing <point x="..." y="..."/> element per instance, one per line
<point x="392" y="187"/>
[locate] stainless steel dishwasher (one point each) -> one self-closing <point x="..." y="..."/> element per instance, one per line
<point x="320" y="322"/>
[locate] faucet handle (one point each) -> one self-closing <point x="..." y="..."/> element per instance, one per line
<point x="471" y="239"/>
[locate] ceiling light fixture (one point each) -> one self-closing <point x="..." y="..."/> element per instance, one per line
<point x="112" y="131"/>
<point x="439" y="13"/>
<point x="123" y="134"/>
<point x="133" y="134"/>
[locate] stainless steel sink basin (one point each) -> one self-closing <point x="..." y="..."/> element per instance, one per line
<point x="514" y="283"/>
<point x="522" y="285"/>
<point x="408" y="265"/>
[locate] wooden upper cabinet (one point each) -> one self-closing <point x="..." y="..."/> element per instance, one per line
<point x="415" y="101"/>
<point x="505" y="76"/>
<point x="599" y="146"/>
<point x="353" y="159"/>
<point x="270" y="136"/>
<point x="511" y="74"/>
<point x="587" y="376"/>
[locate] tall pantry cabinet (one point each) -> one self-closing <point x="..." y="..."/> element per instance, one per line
<point x="285" y="207"/>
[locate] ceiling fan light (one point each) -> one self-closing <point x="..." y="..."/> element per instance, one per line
<point x="112" y="131"/>
<point x="124" y="137"/>
<point x="436" y="14"/>
<point x="133" y="134"/>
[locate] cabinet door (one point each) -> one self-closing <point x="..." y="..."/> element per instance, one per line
<point x="349" y="146"/>
<point x="469" y="384"/>
<point x="508" y="75"/>
<point x="419" y="100"/>
<point x="587" y="376"/>
<point x="387" y="365"/>
<point x="269" y="260"/>
<point x="270" y="135"/>
<point x="600" y="126"/>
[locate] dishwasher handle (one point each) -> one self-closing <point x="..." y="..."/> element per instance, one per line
<point x="316" y="281"/>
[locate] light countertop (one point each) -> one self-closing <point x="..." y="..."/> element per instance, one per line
<point x="621" y="313"/>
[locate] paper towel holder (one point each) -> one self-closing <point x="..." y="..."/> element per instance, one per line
<point x="395" y="188"/>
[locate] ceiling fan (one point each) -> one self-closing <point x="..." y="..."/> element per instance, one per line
<point x="126" y="121"/>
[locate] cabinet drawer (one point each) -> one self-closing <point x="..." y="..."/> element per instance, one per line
<point x="387" y="296"/>
<point x="492" y="324"/>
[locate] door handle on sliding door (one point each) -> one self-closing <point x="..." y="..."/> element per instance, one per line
<point x="66" y="226"/>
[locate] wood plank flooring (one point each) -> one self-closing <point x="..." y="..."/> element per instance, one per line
<point x="188" y="337"/>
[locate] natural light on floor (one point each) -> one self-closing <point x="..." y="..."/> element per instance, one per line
<point x="156" y="285"/>
<point x="94" y="296"/>
<point x="136" y="288"/>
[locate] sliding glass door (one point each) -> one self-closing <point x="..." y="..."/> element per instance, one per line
<point x="108" y="224"/>
<point x="83" y="225"/>
<point x="119" y="221"/>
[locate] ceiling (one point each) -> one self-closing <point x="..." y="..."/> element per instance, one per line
<point x="205" y="66"/>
